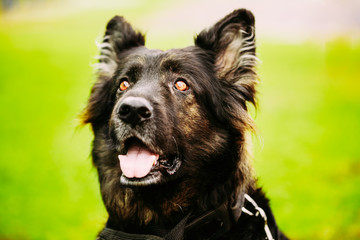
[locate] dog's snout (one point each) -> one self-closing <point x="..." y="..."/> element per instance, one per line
<point x="133" y="110"/>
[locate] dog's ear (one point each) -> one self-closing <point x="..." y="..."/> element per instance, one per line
<point x="231" y="41"/>
<point x="119" y="36"/>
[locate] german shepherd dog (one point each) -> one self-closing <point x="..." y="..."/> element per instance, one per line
<point x="171" y="134"/>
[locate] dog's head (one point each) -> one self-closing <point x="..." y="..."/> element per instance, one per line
<point x="172" y="118"/>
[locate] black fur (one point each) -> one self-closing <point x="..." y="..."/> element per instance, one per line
<point x="200" y="132"/>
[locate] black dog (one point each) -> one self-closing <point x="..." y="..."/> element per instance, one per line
<point x="171" y="133"/>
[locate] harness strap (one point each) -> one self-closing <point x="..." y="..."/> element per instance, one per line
<point x="221" y="215"/>
<point x="177" y="233"/>
<point x="224" y="214"/>
<point x="238" y="202"/>
<point x="111" y="234"/>
<point x="261" y="212"/>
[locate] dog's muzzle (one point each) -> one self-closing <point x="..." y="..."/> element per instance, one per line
<point x="142" y="160"/>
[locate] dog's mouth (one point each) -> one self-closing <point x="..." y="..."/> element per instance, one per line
<point x="141" y="166"/>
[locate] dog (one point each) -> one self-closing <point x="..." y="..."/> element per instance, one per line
<point x="171" y="135"/>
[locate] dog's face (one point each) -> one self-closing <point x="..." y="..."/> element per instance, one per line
<point x="157" y="113"/>
<point x="173" y="120"/>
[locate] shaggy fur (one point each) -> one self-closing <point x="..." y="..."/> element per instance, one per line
<point x="200" y="132"/>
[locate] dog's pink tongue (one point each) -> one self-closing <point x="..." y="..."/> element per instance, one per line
<point x="137" y="162"/>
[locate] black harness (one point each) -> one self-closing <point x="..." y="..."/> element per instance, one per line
<point x="224" y="215"/>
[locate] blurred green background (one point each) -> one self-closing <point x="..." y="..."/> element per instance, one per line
<point x="306" y="152"/>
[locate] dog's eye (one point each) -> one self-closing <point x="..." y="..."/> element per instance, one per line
<point x="124" y="84"/>
<point x="181" y="85"/>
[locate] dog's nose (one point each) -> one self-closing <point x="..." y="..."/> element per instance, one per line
<point x="134" y="110"/>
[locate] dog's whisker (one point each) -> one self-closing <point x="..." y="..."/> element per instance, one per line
<point x="177" y="147"/>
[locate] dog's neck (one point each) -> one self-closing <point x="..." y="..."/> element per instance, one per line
<point x="153" y="209"/>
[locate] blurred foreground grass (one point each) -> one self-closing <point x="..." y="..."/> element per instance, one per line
<point x="308" y="159"/>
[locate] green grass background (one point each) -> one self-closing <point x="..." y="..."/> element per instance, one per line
<point x="307" y="152"/>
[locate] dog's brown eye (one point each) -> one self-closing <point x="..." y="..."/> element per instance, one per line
<point x="181" y="85"/>
<point x="124" y="85"/>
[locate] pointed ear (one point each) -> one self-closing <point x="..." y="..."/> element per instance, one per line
<point x="231" y="41"/>
<point x="119" y="36"/>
